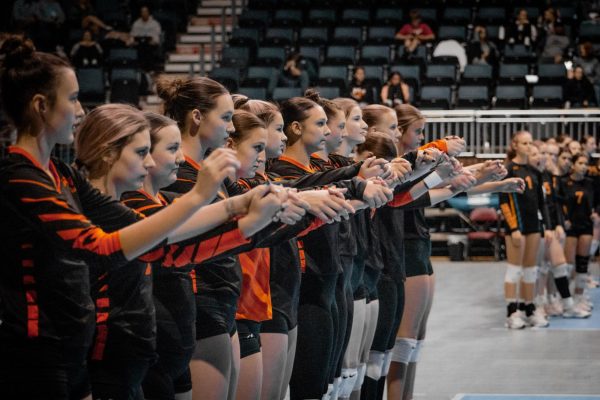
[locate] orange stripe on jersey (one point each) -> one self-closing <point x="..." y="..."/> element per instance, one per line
<point x="254" y="303"/>
<point x="302" y="256"/>
<point x="401" y="199"/>
<point x="30" y="182"/>
<point x="27" y="263"/>
<point x="219" y="244"/>
<point x="99" y="242"/>
<point x="244" y="183"/>
<point x="62" y="217"/>
<point x="438" y="144"/>
<point x="100" y="343"/>
<point x="316" y="224"/>
<point x="133" y="199"/>
<point x="148" y="207"/>
<point x="101" y="317"/>
<point x="103" y="302"/>
<point x="42" y="199"/>
<point x="192" y="162"/>
<point x="305" y="168"/>
<point x="194" y="284"/>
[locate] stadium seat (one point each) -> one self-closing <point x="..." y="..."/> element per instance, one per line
<point x="513" y="73"/>
<point x="122" y="57"/>
<point x="254" y="18"/>
<point x="270" y="56"/>
<point x="347" y="35"/>
<point x="258" y="93"/>
<point x="470" y="97"/>
<point x="410" y="73"/>
<point x="374" y="75"/>
<point x="261" y="77"/>
<point x="227" y="76"/>
<point x="510" y="96"/>
<point x="435" y="97"/>
<point x="518" y="54"/>
<point x="491" y="15"/>
<point x="333" y="75"/>
<point x="329" y="92"/>
<point x="552" y="74"/>
<point x="91" y="85"/>
<point x="313" y="36"/>
<point x="322" y="17"/>
<point x="381" y="35"/>
<point x="278" y="37"/>
<point x="440" y="75"/>
<point x="547" y="96"/>
<point x="356" y="16"/>
<point x="340" y="55"/>
<point x="245" y="37"/>
<point x="123" y="90"/>
<point x="447" y="32"/>
<point x="287" y="18"/>
<point x="389" y="16"/>
<point x="283" y="93"/>
<point x="479" y="74"/>
<point x="589" y="30"/>
<point x="457" y="16"/>
<point x="375" y="55"/>
<point x="235" y="57"/>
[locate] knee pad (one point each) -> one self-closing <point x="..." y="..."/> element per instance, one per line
<point x="349" y="377"/>
<point x="581" y="264"/>
<point x="544" y="268"/>
<point x="530" y="274"/>
<point x="561" y="271"/>
<point x="416" y="353"/>
<point x="375" y="364"/>
<point x="387" y="361"/>
<point x="513" y="273"/>
<point x="337" y="387"/>
<point x="183" y="396"/>
<point x="581" y="280"/>
<point x="594" y="247"/>
<point x="403" y="349"/>
<point x="360" y="377"/>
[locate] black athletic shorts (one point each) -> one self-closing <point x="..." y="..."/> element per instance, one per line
<point x="280" y="323"/>
<point x="580" y="230"/>
<point x="118" y="379"/>
<point x="357" y="281"/>
<point x="249" y="335"/>
<point x="528" y="226"/>
<point x="370" y="279"/>
<point x="215" y="315"/>
<point x="417" y="253"/>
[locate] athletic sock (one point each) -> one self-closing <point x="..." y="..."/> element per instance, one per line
<point x="562" y="285"/>
<point x="529" y="309"/>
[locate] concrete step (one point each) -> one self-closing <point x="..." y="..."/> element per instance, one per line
<point x="188" y="58"/>
<point x="191" y="38"/>
<point x="216" y="11"/>
<point x="207" y="29"/>
<point x="185" y="67"/>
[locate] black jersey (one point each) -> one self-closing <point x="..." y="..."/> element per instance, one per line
<point x="525" y="212"/>
<point x="321" y="247"/>
<point x="580" y="199"/>
<point x="52" y="229"/>
<point x="551" y="192"/>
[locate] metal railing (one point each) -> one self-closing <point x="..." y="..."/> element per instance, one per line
<point x="489" y="131"/>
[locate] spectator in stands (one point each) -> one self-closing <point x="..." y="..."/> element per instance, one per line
<point x="481" y="50"/>
<point x="145" y="32"/>
<point x="395" y="91"/>
<point x="579" y="92"/>
<point x="51" y="19"/>
<point x="521" y="31"/>
<point x="86" y="53"/>
<point x="589" y="62"/>
<point x="547" y="21"/>
<point x="294" y="74"/>
<point x="82" y="14"/>
<point x="361" y="91"/>
<point x="556" y="44"/>
<point x="414" y="33"/>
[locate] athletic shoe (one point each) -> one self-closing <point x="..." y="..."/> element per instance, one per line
<point x="554" y="308"/>
<point x="592" y="283"/>
<point x="576" y="311"/>
<point x="585" y="304"/>
<point x="537" y="320"/>
<point x="515" y="321"/>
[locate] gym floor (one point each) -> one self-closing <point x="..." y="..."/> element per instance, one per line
<point x="469" y="355"/>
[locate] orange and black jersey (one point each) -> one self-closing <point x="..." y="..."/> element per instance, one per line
<point x="320" y="246"/>
<point x="580" y="199"/>
<point x="527" y="211"/>
<point x="551" y="191"/>
<point x="53" y="228"/>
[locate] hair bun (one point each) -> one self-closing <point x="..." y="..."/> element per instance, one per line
<point x="168" y="89"/>
<point x="239" y="100"/>
<point x="17" y="51"/>
<point x="313" y="95"/>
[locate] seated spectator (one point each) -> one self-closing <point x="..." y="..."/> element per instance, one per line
<point x="556" y="44"/>
<point x="146" y="34"/>
<point x="82" y="14"/>
<point x="521" y="31"/>
<point x="359" y="89"/>
<point x="579" y="92"/>
<point x="589" y="62"/>
<point x="86" y="53"/>
<point x="415" y="33"/>
<point x="481" y="50"/>
<point x="395" y="91"/>
<point x="293" y="74"/>
<point x="547" y="21"/>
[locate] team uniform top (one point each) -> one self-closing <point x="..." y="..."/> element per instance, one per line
<point x="552" y="189"/>
<point x="580" y="199"/>
<point x="50" y="237"/>
<point x="526" y="211"/>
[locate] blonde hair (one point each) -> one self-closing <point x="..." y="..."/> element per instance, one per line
<point x="345" y="104"/>
<point x="373" y="112"/>
<point x="104" y="132"/>
<point x="262" y="109"/>
<point x="407" y="115"/>
<point x="244" y="122"/>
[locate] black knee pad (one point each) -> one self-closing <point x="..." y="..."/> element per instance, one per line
<point x="370" y="280"/>
<point x="183" y="383"/>
<point x="581" y="264"/>
<point x="388" y="304"/>
<point x="249" y="336"/>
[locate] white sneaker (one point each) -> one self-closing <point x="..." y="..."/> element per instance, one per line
<point x="592" y="283"/>
<point x="576" y="311"/>
<point x="515" y="321"/>
<point x="537" y="320"/>
<point x="554" y="308"/>
<point x="584" y="304"/>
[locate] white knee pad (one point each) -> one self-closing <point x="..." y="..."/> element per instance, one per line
<point x="375" y="364"/>
<point x="594" y="247"/>
<point x="530" y="274"/>
<point x="544" y="268"/>
<point x="416" y="353"/>
<point x="387" y="361"/>
<point x="327" y="396"/>
<point x="349" y="376"/>
<point x="403" y="349"/>
<point x="570" y="269"/>
<point x="560" y="271"/>
<point x="337" y="387"/>
<point x="513" y="273"/>
<point x="183" y="396"/>
<point x="360" y="377"/>
<point x="581" y="280"/>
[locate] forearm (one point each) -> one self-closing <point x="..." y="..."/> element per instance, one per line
<point x="144" y="235"/>
<point x="488" y="187"/>
<point x="203" y="220"/>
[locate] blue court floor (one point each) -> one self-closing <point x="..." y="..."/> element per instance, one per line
<point x="468" y="350"/>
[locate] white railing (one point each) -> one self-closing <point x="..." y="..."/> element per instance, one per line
<point x="489" y="132"/>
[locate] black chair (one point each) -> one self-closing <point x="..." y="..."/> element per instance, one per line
<point x="452" y="32"/>
<point x="356" y="16"/>
<point x="125" y="91"/>
<point x="333" y="75"/>
<point x="347" y="35"/>
<point x="375" y="55"/>
<point x="510" y="96"/>
<point x="340" y="55"/>
<point x="477" y="74"/>
<point x="288" y="18"/>
<point x="381" y="35"/>
<point x="518" y="54"/>
<point x="254" y="18"/>
<point x="227" y="76"/>
<point x="457" y="15"/>
<point x="322" y="17"/>
<point x="440" y="75"/>
<point x="258" y="93"/>
<point x="491" y="15"/>
<point x="328" y="92"/>
<point x="270" y="56"/>
<point x="547" y="96"/>
<point x="91" y="86"/>
<point x="313" y="36"/>
<point x="470" y="97"/>
<point x="283" y="93"/>
<point x="238" y="57"/>
<point x="513" y="73"/>
<point x="435" y="97"/>
<point x="261" y="77"/>
<point x="278" y="37"/>
<point x="552" y="74"/>
<point x="389" y="16"/>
